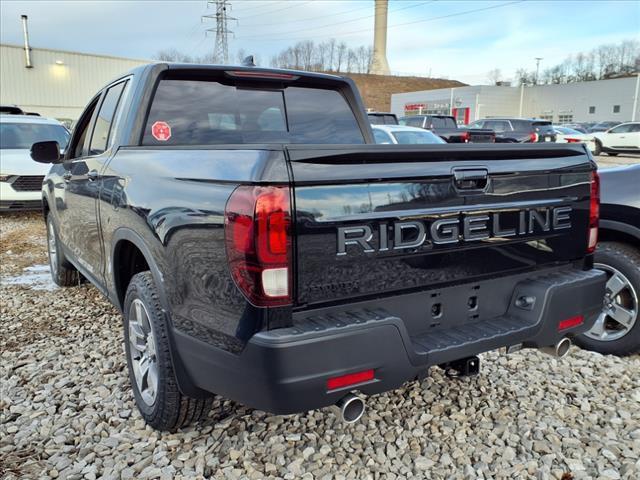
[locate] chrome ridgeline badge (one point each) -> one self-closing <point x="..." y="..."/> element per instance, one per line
<point x="463" y="228"/>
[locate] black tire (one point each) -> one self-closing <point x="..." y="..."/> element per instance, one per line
<point x="598" y="149"/>
<point x="63" y="272"/>
<point x="171" y="409"/>
<point x="626" y="259"/>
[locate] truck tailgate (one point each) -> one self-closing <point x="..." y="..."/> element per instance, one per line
<point x="376" y="220"/>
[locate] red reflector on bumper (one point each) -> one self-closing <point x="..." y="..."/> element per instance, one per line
<point x="570" y="322"/>
<point x="349" y="379"/>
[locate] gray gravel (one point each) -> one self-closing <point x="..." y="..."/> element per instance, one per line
<point x="67" y="411"/>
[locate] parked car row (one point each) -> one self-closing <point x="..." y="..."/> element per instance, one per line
<point x="20" y="177"/>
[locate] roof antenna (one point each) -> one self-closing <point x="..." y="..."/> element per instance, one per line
<point x="248" y="61"/>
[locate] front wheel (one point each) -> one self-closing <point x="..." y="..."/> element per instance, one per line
<point x="63" y="273"/>
<point x="151" y="373"/>
<point x="617" y="329"/>
<point x="598" y="149"/>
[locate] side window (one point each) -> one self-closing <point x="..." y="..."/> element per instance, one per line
<point x="621" y="129"/>
<point x="635" y="127"/>
<point x="106" y="114"/>
<point x="80" y="134"/>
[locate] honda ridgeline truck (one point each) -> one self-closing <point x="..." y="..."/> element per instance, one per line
<point x="261" y="247"/>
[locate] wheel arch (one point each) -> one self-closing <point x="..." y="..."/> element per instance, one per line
<point x="125" y="244"/>
<point x="611" y="230"/>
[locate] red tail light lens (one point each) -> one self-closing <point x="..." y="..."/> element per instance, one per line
<point x="350" y="379"/>
<point x="258" y="242"/>
<point x="594" y="212"/>
<point x="570" y="323"/>
<point x="533" y="137"/>
<point x="573" y="140"/>
<point x="465" y="137"/>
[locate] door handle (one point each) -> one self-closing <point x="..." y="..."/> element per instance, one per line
<point x="92" y="175"/>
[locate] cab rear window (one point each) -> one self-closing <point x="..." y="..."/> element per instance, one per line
<point x="201" y="112"/>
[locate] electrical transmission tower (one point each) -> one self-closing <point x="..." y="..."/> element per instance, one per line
<point x="221" y="50"/>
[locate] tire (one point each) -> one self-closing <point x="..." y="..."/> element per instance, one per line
<point x="598" y="149"/>
<point x="156" y="393"/>
<point x="63" y="272"/>
<point x="612" y="154"/>
<point x="625" y="260"/>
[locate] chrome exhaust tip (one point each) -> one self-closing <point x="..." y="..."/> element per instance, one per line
<point x="349" y="408"/>
<point x="559" y="350"/>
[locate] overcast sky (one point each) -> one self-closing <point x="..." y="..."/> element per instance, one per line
<point x="458" y="39"/>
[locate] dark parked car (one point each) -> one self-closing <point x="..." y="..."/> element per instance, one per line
<point x="261" y="246"/>
<point x="518" y="130"/>
<point x="382" y="118"/>
<point x="617" y="330"/>
<point x="445" y="127"/>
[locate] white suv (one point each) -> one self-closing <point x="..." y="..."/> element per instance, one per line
<point x="21" y="177"/>
<point x="623" y="138"/>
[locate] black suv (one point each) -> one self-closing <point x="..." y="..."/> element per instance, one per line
<point x="518" y="130"/>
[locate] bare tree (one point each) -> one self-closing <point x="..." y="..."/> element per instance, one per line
<point x="494" y="76"/>
<point x="341" y="56"/>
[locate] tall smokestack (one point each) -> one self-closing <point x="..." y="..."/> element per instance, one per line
<point x="379" y="65"/>
<point x="27" y="48"/>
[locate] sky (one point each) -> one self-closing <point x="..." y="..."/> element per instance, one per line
<point x="456" y="39"/>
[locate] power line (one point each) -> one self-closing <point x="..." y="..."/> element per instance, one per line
<point x="279" y="10"/>
<point x="315" y="18"/>
<point x="342" y="34"/>
<point x="221" y="49"/>
<point x="345" y="21"/>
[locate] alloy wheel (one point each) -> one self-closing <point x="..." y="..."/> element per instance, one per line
<point x="53" y="248"/>
<point x="142" y="351"/>
<point x="620" y="309"/>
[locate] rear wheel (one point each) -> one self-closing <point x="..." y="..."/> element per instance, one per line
<point x="151" y="373"/>
<point x="617" y="329"/>
<point x="62" y="272"/>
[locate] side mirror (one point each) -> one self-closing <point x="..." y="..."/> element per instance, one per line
<point x="46" y="152"/>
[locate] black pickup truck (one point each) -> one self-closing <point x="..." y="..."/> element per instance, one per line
<point x="263" y="248"/>
<point x="445" y="127"/>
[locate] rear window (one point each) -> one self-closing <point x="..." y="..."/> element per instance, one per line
<point x="443" y="122"/>
<point x="377" y="119"/>
<point x="23" y="135"/>
<point x="197" y="112"/>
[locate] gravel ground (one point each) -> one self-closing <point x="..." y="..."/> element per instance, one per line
<point x="67" y="410"/>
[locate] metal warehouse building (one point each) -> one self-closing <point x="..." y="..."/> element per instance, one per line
<point x="58" y="83"/>
<point x="603" y="100"/>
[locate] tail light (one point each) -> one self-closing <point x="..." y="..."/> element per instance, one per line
<point x="594" y="212"/>
<point x="465" y="137"/>
<point x="258" y="242"/>
<point x="533" y="137"/>
<point x="573" y="140"/>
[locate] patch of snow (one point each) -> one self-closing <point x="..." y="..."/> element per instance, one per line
<point x="36" y="277"/>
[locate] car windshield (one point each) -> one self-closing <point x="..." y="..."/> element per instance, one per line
<point x="416" y="138"/>
<point x="23" y="135"/>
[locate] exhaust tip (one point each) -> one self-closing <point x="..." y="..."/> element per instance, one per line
<point x="562" y="348"/>
<point x="350" y="408"/>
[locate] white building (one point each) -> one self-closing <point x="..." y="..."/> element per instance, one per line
<point x="603" y="100"/>
<point x="59" y="84"/>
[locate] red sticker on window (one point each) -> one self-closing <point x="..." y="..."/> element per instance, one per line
<point x="161" y="131"/>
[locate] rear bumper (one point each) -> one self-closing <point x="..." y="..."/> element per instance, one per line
<point x="286" y="370"/>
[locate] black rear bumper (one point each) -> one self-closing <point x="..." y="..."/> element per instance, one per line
<point x="286" y="370"/>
